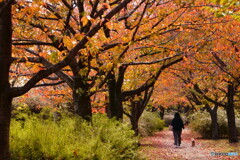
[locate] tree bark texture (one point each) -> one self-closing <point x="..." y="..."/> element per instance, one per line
<point x="137" y="108"/>
<point x="214" y="120"/>
<point x="114" y="108"/>
<point x="5" y="116"/>
<point x="134" y="118"/>
<point x="215" y="128"/>
<point x="162" y="111"/>
<point x="5" y="61"/>
<point x="232" y="130"/>
<point x="81" y="99"/>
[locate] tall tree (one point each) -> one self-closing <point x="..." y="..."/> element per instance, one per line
<point x="63" y="25"/>
<point x="7" y="93"/>
<point x="5" y="61"/>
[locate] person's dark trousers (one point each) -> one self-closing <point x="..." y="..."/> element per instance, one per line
<point x="177" y="137"/>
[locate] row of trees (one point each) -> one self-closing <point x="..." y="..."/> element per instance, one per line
<point x="101" y="46"/>
<point x="210" y="78"/>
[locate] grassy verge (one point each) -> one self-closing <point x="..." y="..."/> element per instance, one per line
<point x="72" y="138"/>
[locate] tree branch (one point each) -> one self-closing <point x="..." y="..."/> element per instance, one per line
<point x="18" y="91"/>
<point x="26" y="59"/>
<point x="196" y="88"/>
<point x="152" y="62"/>
<point x="49" y="84"/>
<point x="60" y="74"/>
<point x="151" y="81"/>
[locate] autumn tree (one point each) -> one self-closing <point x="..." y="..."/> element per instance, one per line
<point x="225" y="57"/>
<point x="142" y="51"/>
<point x="5" y="61"/>
<point x="195" y="96"/>
<point x="7" y="93"/>
<point x="213" y="75"/>
<point x="139" y="97"/>
<point x="196" y="72"/>
<point x="92" y="67"/>
<point x="162" y="44"/>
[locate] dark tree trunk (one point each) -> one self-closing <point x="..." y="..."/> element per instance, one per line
<point x="134" y="118"/>
<point x="114" y="108"/>
<point x="214" y="121"/>
<point x="232" y="130"/>
<point x="82" y="106"/>
<point x="81" y="99"/>
<point x="137" y="108"/>
<point x="162" y="111"/>
<point x="5" y="61"/>
<point x="5" y="115"/>
<point x="215" y="128"/>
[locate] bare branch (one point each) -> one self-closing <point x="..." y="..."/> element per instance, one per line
<point x="152" y="62"/>
<point x="49" y="84"/>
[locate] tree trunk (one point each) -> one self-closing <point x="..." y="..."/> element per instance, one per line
<point x="134" y="118"/>
<point x="114" y="108"/>
<point x="5" y="116"/>
<point x="81" y="99"/>
<point x="5" y="61"/>
<point x="137" y="108"/>
<point x="162" y="111"/>
<point x="214" y="120"/>
<point x="215" y="128"/>
<point x="82" y="106"/>
<point x="232" y="130"/>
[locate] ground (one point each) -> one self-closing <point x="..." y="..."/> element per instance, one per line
<point x="160" y="147"/>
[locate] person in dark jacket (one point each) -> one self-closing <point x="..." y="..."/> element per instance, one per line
<point x="177" y="126"/>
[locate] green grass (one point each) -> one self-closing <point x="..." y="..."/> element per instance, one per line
<point x="72" y="138"/>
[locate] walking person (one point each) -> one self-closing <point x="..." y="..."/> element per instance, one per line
<point x="177" y="126"/>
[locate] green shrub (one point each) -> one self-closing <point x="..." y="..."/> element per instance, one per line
<point x="149" y="123"/>
<point x="168" y="119"/>
<point x="72" y="138"/>
<point x="200" y="122"/>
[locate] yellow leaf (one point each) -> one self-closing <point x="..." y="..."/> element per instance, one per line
<point x="94" y="62"/>
<point x="84" y="20"/>
<point x="171" y="53"/>
<point x="78" y="36"/>
<point x="67" y="41"/>
<point x="109" y="25"/>
<point x="109" y="66"/>
<point x="178" y="1"/>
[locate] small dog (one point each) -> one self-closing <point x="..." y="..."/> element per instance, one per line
<point x="193" y="142"/>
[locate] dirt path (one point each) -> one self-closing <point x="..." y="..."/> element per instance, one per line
<point x="160" y="147"/>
